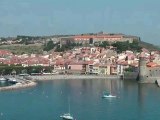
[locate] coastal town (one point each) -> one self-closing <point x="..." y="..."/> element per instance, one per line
<point x="79" y="59"/>
<point x="92" y="57"/>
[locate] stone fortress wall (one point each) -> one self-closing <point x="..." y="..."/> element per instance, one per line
<point x="148" y="74"/>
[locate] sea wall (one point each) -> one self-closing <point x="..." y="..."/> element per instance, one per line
<point x="19" y="86"/>
<point x="149" y="80"/>
<point x="148" y="74"/>
<point x="61" y="77"/>
<point x="130" y="75"/>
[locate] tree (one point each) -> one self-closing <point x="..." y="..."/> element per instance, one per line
<point x="123" y="46"/>
<point x="49" y="46"/>
<point x="68" y="46"/>
<point x="104" y="44"/>
<point x="24" y="71"/>
<point x="13" y="72"/>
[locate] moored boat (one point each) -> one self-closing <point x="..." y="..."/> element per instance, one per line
<point x="109" y="95"/>
<point x="3" y="80"/>
<point x="67" y="116"/>
<point x="12" y="80"/>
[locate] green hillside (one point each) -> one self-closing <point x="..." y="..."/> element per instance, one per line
<point x="23" y="49"/>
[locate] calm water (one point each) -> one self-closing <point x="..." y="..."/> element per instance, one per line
<point x="3" y="84"/>
<point x="49" y="100"/>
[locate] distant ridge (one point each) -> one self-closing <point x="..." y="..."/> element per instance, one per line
<point x="149" y="46"/>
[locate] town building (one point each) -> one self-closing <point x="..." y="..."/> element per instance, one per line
<point x="85" y="39"/>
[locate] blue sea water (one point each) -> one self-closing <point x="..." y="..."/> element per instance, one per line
<point x="4" y="84"/>
<point x="49" y="99"/>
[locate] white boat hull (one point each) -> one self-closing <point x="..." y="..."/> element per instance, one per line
<point x="67" y="117"/>
<point x="2" y="80"/>
<point x="109" y="96"/>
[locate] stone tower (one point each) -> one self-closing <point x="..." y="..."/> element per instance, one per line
<point x="142" y="70"/>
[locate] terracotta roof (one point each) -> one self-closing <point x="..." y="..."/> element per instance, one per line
<point x="152" y="64"/>
<point x="97" y="36"/>
<point x="123" y="63"/>
<point x="5" y="52"/>
<point x="89" y="62"/>
<point x="76" y="63"/>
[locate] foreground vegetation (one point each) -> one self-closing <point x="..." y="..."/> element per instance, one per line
<point x="18" y="69"/>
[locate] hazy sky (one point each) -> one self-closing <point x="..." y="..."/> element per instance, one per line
<point x="49" y="17"/>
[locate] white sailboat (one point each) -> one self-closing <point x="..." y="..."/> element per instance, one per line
<point x="110" y="95"/>
<point x="67" y="116"/>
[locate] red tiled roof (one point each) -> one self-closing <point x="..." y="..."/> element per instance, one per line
<point x="5" y="52"/>
<point x="152" y="64"/>
<point x="123" y="63"/>
<point x="98" y="36"/>
<point x="89" y="62"/>
<point x="76" y="63"/>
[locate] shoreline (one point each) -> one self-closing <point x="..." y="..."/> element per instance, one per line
<point x="66" y="77"/>
<point x="19" y="86"/>
<point x="31" y="82"/>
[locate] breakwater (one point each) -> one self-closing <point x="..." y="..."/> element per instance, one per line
<point x="62" y="77"/>
<point x="26" y="84"/>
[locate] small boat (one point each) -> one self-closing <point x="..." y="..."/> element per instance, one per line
<point x="108" y="96"/>
<point x="12" y="80"/>
<point x="67" y="116"/>
<point x="3" y="80"/>
<point x="105" y="95"/>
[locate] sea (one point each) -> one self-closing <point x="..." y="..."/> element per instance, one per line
<point x="83" y="99"/>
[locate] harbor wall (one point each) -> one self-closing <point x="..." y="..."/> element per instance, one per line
<point x="62" y="77"/>
<point x="130" y="75"/>
<point x="19" y="86"/>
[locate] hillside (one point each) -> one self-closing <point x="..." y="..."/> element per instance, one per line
<point x="148" y="46"/>
<point x="38" y="48"/>
<point x="21" y="49"/>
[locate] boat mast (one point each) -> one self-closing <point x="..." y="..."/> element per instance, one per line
<point x="110" y="87"/>
<point x="68" y="105"/>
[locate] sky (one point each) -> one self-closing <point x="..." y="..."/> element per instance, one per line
<point x="50" y="17"/>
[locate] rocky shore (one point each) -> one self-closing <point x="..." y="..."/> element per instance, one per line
<point x="62" y="77"/>
<point x="19" y="86"/>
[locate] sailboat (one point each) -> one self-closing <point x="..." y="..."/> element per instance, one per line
<point x="109" y="95"/>
<point x="67" y="116"/>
